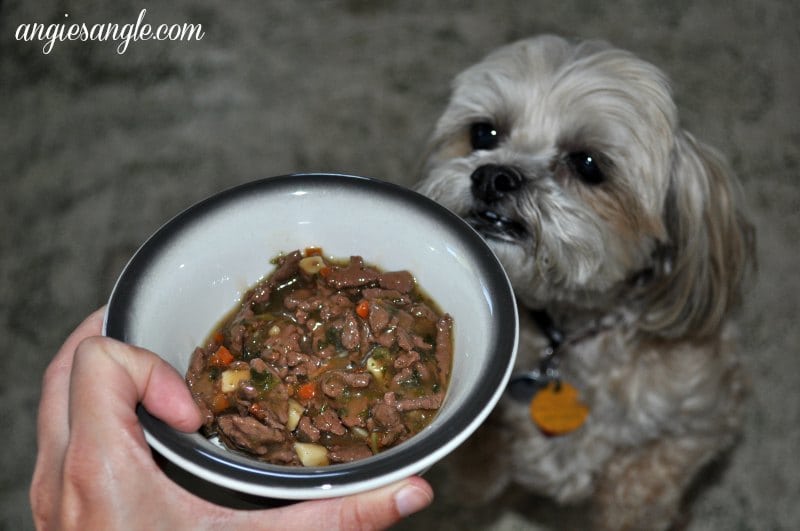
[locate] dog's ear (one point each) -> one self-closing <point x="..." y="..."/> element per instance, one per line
<point x="709" y="251"/>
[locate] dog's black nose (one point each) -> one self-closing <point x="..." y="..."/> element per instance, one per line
<point x="491" y="182"/>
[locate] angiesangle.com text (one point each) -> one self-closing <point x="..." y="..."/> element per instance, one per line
<point x="124" y="34"/>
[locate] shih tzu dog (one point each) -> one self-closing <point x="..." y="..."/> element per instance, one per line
<point x="623" y="238"/>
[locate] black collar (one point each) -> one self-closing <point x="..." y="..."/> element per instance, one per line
<point x="545" y="323"/>
<point x="523" y="385"/>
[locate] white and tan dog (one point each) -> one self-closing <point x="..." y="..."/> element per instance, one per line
<point x="624" y="242"/>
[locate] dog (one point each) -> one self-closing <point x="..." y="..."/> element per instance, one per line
<point x="625" y="241"/>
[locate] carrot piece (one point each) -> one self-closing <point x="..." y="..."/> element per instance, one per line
<point x="313" y="251"/>
<point x="362" y="309"/>
<point x="221" y="358"/>
<point x="325" y="271"/>
<point x="219" y="338"/>
<point x="307" y="391"/>
<point x="220" y="403"/>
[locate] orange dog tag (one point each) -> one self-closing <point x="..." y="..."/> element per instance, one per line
<point x="557" y="409"/>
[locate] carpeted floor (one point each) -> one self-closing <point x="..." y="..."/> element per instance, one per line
<point x="98" y="149"/>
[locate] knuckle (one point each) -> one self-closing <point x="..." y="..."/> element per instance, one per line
<point x="80" y="482"/>
<point x="359" y="516"/>
<point x="40" y="501"/>
<point x="90" y="344"/>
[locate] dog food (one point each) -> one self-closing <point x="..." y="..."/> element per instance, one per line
<point x="324" y="362"/>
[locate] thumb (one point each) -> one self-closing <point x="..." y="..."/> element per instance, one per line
<point x="377" y="509"/>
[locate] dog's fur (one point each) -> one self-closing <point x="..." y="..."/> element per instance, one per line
<point x="637" y="254"/>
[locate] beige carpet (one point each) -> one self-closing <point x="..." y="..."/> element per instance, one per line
<point x="98" y="149"/>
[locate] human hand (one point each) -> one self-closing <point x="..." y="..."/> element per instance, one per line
<point x="94" y="469"/>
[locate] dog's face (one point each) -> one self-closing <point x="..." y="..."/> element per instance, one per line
<point x="568" y="159"/>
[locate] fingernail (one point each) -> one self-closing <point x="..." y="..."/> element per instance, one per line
<point x="411" y="499"/>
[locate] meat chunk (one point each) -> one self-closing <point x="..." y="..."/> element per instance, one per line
<point x="345" y="454"/>
<point x="353" y="276"/>
<point x="329" y="421"/>
<point x="287" y="268"/>
<point x="357" y="379"/>
<point x="306" y="432"/>
<point x="390" y="295"/>
<point x="270" y="414"/>
<point x="444" y="328"/>
<point x="385" y="416"/>
<point x="334" y="306"/>
<point x="258" y="365"/>
<point x="401" y="281"/>
<point x="249" y="434"/>
<point x="196" y="364"/>
<point x="351" y="336"/>
<point x="431" y="402"/>
<point x="378" y="317"/>
<point x="386" y="420"/>
<point x="404" y="340"/>
<point x="356" y="412"/>
<point x="406" y="359"/>
<point x="334" y="383"/>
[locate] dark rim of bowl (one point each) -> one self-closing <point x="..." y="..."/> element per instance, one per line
<point x="259" y="473"/>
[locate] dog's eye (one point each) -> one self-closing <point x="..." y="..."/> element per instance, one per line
<point x="483" y="135"/>
<point x="586" y="167"/>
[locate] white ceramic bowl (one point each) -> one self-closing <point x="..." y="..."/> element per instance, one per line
<point x="195" y="268"/>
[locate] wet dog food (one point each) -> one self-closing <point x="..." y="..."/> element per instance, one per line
<point x="324" y="362"/>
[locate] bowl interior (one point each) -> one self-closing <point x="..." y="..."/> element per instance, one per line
<point x="189" y="274"/>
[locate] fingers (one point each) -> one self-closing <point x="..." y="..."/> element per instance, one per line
<point x="89" y="434"/>
<point x="53" y="427"/>
<point x="52" y="421"/>
<point x="107" y="464"/>
<point x="378" y="509"/>
<point x="373" y="510"/>
<point x="383" y="508"/>
<point x="110" y="378"/>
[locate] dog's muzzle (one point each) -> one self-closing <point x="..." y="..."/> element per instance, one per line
<point x="491" y="184"/>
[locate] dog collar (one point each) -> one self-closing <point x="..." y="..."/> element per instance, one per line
<point x="555" y="407"/>
<point x="522" y="386"/>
